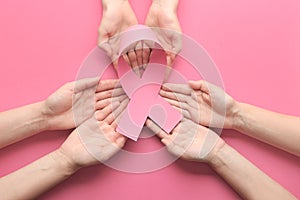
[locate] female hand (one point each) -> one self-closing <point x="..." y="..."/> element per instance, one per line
<point x="96" y="139"/>
<point x="162" y="15"/>
<point x="202" y="102"/>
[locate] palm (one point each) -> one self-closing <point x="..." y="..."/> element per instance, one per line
<point x="188" y="140"/>
<point x="92" y="142"/>
<point x="215" y="106"/>
<point x="209" y="105"/>
<point x="71" y="98"/>
<point x="95" y="139"/>
<point x="115" y="19"/>
<point x="59" y="105"/>
<point x="169" y="28"/>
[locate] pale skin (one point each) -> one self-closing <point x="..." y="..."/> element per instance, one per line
<point x="118" y="16"/>
<point x="187" y="140"/>
<point x="163" y="14"/>
<point x="204" y="104"/>
<point x="273" y="128"/>
<point x="72" y="155"/>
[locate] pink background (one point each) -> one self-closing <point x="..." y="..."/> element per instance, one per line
<point x="256" y="45"/>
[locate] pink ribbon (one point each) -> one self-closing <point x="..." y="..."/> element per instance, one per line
<point x="144" y="92"/>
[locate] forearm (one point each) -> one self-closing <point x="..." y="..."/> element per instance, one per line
<point x="246" y="179"/>
<point x="36" y="178"/>
<point x="21" y="123"/>
<point x="107" y="3"/>
<point x="166" y="4"/>
<point x="276" y="129"/>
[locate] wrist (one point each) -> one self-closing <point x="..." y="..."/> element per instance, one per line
<point x="64" y="163"/>
<point x="237" y="119"/>
<point x="111" y="3"/>
<point x="212" y="156"/>
<point x="219" y="156"/>
<point x="41" y="115"/>
<point x="47" y="116"/>
<point x="166" y="4"/>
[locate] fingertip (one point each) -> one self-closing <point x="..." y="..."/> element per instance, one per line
<point x="120" y="141"/>
<point x="162" y="92"/>
<point x="163" y="140"/>
<point x="196" y="84"/>
<point x="166" y="86"/>
<point x="148" y="122"/>
<point x="192" y="83"/>
<point x="206" y="97"/>
<point x="169" y="61"/>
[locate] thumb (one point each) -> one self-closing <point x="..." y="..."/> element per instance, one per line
<point x="156" y="129"/>
<point x="86" y="83"/>
<point x="199" y="85"/>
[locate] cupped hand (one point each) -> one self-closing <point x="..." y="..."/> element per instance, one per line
<point x="117" y="17"/>
<point x="202" y="102"/>
<point x="188" y="140"/>
<point x="96" y="139"/>
<point x="162" y="15"/>
<point x="58" y="106"/>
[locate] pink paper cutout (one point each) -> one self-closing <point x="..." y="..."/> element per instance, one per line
<point x="143" y="92"/>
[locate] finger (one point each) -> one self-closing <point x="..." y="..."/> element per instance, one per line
<point x="177" y="88"/>
<point x="169" y="60"/>
<point x="109" y="93"/>
<point x="107" y="84"/>
<point x="105" y="102"/>
<point x="176" y="44"/>
<point x="175" y="96"/>
<point x="120" y="141"/>
<point x="83" y="84"/>
<point x="167" y="73"/>
<point x="118" y="112"/>
<point x="166" y="141"/>
<point x="113" y="93"/>
<point x="113" y="116"/>
<point x="133" y="61"/>
<point x="139" y="53"/>
<point x="146" y="54"/>
<point x="177" y="104"/>
<point x="200" y="85"/>
<point x="125" y="57"/>
<point x="156" y="129"/>
<point x="101" y="115"/>
<point x="180" y="108"/>
<point x="115" y="64"/>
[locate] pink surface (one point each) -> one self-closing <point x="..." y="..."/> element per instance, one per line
<point x="255" y="44"/>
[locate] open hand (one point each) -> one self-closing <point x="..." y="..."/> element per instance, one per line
<point x="162" y="15"/>
<point x="202" y="102"/>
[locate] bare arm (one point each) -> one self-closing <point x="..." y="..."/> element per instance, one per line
<point x="282" y="131"/>
<point x="21" y="123"/>
<point x="218" y="109"/>
<point x="43" y="174"/>
<point x="190" y="140"/>
<point x="55" y="113"/>
<point x="244" y="177"/>
<point x="34" y="179"/>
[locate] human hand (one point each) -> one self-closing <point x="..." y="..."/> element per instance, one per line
<point x="202" y="102"/>
<point x="96" y="139"/>
<point x="57" y="108"/>
<point x="162" y="15"/>
<point x="189" y="140"/>
<point x="117" y="17"/>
